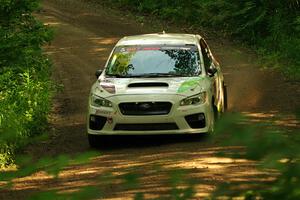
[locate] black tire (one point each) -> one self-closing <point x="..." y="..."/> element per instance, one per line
<point x="216" y="113"/>
<point x="93" y="141"/>
<point x="225" y="98"/>
<point x="214" y="119"/>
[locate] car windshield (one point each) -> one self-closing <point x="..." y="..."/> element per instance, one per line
<point x="154" y="61"/>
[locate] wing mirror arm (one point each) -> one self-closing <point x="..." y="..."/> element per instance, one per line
<point x="98" y="73"/>
<point x="212" y="71"/>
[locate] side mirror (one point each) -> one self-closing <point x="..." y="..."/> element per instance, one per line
<point x="211" y="71"/>
<point x="98" y="73"/>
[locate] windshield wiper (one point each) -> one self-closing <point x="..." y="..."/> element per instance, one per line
<point x="157" y="75"/>
<point x="146" y="75"/>
<point x="116" y="75"/>
<point x="123" y="76"/>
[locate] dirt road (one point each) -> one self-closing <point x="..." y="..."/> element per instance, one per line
<point x="85" y="35"/>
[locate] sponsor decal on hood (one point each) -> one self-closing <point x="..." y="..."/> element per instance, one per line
<point x="189" y="85"/>
<point x="174" y="85"/>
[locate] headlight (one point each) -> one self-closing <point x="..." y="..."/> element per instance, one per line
<point x="194" y="100"/>
<point x="98" y="101"/>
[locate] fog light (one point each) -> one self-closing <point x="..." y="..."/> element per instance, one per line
<point x="93" y="118"/>
<point x="201" y="117"/>
<point x="196" y="120"/>
<point x="97" y="122"/>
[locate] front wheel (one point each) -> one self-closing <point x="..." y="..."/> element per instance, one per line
<point x="225" y="100"/>
<point x="93" y="140"/>
<point x="215" y="115"/>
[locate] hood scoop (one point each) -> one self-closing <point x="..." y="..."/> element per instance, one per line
<point x="148" y="84"/>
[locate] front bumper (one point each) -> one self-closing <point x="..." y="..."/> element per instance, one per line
<point x="180" y="119"/>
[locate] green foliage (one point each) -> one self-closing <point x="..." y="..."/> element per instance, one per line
<point x="271" y="27"/>
<point x="87" y="192"/>
<point x="180" y="186"/>
<point x="25" y="87"/>
<point x="131" y="180"/>
<point x="52" y="165"/>
<point x="273" y="148"/>
<point x="270" y="147"/>
<point x="177" y="178"/>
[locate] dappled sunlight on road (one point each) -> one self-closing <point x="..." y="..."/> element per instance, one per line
<point x="274" y="118"/>
<point x="31" y="182"/>
<point x="210" y="163"/>
<point x="53" y="24"/>
<point x="152" y="169"/>
<point x="104" y="41"/>
<point x="51" y="21"/>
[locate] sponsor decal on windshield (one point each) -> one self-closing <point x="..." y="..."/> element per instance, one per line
<point x="154" y="48"/>
<point x="176" y="48"/>
<point x="150" y="48"/>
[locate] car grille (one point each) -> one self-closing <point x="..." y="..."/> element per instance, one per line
<point x="146" y="127"/>
<point x="154" y="84"/>
<point x="145" y="108"/>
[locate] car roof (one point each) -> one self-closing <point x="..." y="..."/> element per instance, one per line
<point x="159" y="38"/>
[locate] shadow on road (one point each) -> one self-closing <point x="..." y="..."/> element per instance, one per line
<point x="132" y="141"/>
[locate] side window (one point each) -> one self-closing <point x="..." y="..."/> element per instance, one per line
<point x="205" y="53"/>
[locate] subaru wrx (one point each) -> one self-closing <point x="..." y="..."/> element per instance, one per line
<point x="157" y="84"/>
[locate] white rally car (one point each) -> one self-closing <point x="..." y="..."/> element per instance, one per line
<point x="157" y="84"/>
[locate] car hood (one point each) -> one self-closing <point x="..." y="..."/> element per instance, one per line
<point x="165" y="85"/>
